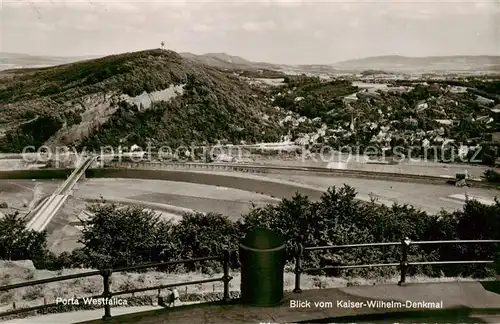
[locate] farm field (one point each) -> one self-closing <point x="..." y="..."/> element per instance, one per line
<point x="24" y="195"/>
<point x="168" y="198"/>
<point x="430" y="198"/>
<point x="172" y="198"/>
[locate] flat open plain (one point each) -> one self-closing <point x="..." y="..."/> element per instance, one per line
<point x="430" y="198"/>
<point x="427" y="197"/>
<point x="168" y="198"/>
<point x="23" y="195"/>
<point x="229" y="193"/>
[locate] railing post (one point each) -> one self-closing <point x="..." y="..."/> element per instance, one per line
<point x="405" y="244"/>
<point x="234" y="263"/>
<point x="299" y="249"/>
<point x="227" y="277"/>
<point x="106" y="276"/>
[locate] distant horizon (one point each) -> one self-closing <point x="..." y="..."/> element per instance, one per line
<point x="291" y="32"/>
<point x="254" y="61"/>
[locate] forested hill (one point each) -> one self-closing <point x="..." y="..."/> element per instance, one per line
<point x="92" y="103"/>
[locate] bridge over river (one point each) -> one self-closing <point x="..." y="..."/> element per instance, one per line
<point x="43" y="214"/>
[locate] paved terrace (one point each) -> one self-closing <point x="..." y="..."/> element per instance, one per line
<point x="477" y="303"/>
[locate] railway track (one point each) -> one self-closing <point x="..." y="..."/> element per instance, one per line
<point x="249" y="168"/>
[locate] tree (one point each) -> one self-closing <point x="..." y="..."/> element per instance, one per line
<point x="477" y="221"/>
<point x="292" y="219"/>
<point x="19" y="243"/>
<point x="201" y="235"/>
<point x="120" y="236"/>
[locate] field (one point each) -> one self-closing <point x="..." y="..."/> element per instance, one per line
<point x="24" y="195"/>
<point x="430" y="198"/>
<point x="169" y="198"/>
<point x="172" y="198"/>
<point x="199" y="197"/>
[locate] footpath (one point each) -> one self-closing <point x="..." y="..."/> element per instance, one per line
<point x="453" y="302"/>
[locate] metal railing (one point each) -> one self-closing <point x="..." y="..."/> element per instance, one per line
<point x="106" y="274"/>
<point x="403" y="264"/>
<point x="227" y="260"/>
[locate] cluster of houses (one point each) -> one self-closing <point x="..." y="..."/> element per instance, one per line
<point x="441" y="105"/>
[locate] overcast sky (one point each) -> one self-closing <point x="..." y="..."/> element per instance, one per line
<point x="273" y="31"/>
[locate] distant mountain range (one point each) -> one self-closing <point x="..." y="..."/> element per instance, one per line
<point x="391" y="63"/>
<point x="16" y="60"/>
<point x="226" y="61"/>
<point x="431" y="63"/>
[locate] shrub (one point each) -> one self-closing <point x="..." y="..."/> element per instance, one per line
<point x="492" y="176"/>
<point x="199" y="235"/>
<point x="19" y="243"/>
<point x="115" y="236"/>
<point x="497" y="262"/>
